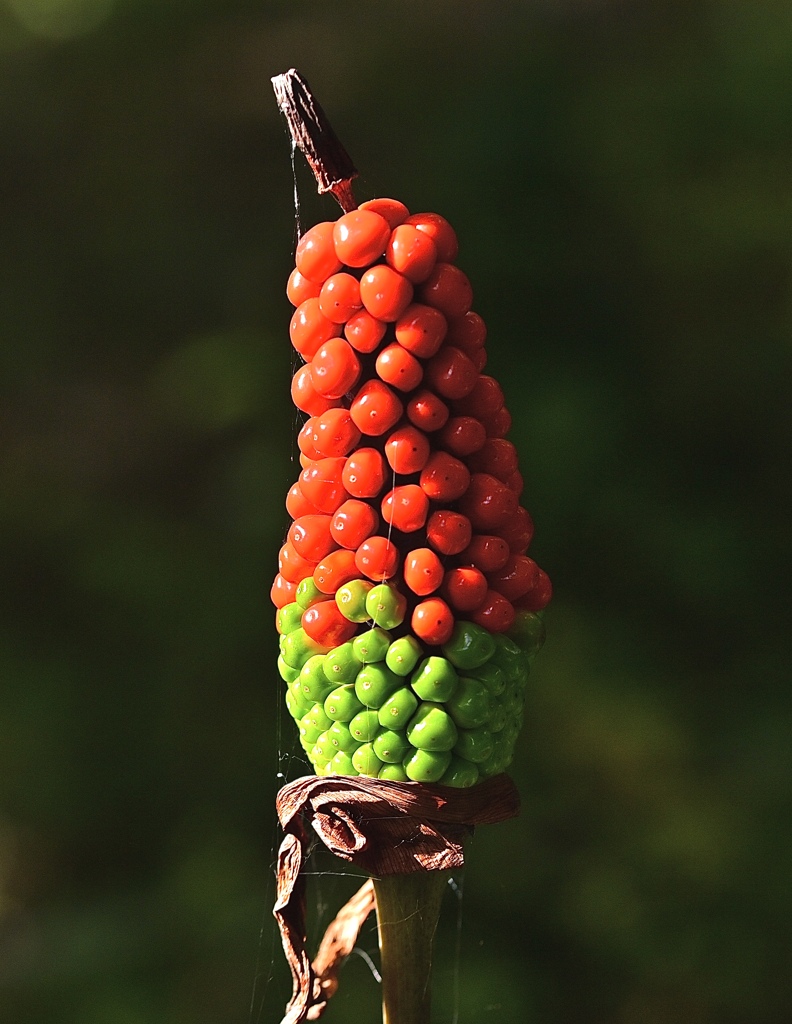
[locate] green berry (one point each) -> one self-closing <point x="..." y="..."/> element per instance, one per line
<point x="351" y="600"/>
<point x="342" y="738"/>
<point x="287" y="673"/>
<point x="313" y="681"/>
<point x="470" y="646"/>
<point x="308" y="593"/>
<point x="498" y="716"/>
<point x="432" y="728"/>
<point x="475" y="745"/>
<point x="372" y="645"/>
<point x="366" y="761"/>
<point x="427" y="765"/>
<point x="296" y="699"/>
<point x="364" y="726"/>
<point x="460" y="773"/>
<point x="510" y="659"/>
<point x="341" y="704"/>
<point x="326" y="747"/>
<point x="308" y="735"/>
<point x="316" y="719"/>
<point x="497" y="760"/>
<point x="318" y="760"/>
<point x="297" y="647"/>
<point x="374" y="684"/>
<point x="435" y="679"/>
<point x="288" y="618"/>
<point x="386" y="606"/>
<point x="393" y="773"/>
<point x="528" y="632"/>
<point x="398" y="709"/>
<point x="341" y="764"/>
<point x="470" y="705"/>
<point x="341" y="665"/>
<point x="391" y="746"/>
<point x="492" y="676"/>
<point x="403" y="655"/>
<point x="293" y="706"/>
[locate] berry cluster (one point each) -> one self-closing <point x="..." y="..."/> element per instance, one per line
<point x="407" y="524"/>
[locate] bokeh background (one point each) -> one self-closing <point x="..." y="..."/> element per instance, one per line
<point x="620" y="177"/>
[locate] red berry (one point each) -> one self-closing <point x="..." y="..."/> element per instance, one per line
<point x="451" y="373"/>
<point x="464" y="588"/>
<point x="339" y="298"/>
<point x="315" y="256"/>
<point x="377" y="558"/>
<point x="468" y="333"/>
<point x="364" y="332"/>
<point x="484" y="400"/>
<point x="354" y="521"/>
<point x="392" y="210"/>
<point x="385" y="293"/>
<point x="324" y="623"/>
<point x="306" y="439"/>
<point x="515" y="578"/>
<point x="310" y="537"/>
<point x="411" y="252"/>
<point x="334" y="433"/>
<point x="297" y="504"/>
<point x="282" y="592"/>
<point x="322" y="484"/>
<point x="423" y="571"/>
<point x="499" y="424"/>
<point x="515" y="483"/>
<point x="360" y="237"/>
<point x="421" y="329"/>
<point x="426" y="411"/>
<point x="364" y="473"/>
<point x="444" y="478"/>
<point x="375" y="408"/>
<point x="440" y="231"/>
<point x="539" y="595"/>
<point x="487" y="503"/>
<point x="433" y="621"/>
<point x="405" y="508"/>
<point x="462" y="435"/>
<point x="335" y="369"/>
<point x="497" y="457"/>
<point x="448" y="532"/>
<point x="299" y="288"/>
<point x="306" y="397"/>
<point x="335" y="570"/>
<point x="448" y="289"/>
<point x="310" y="329"/>
<point x="293" y="567"/>
<point x="486" y="552"/>
<point x="495" y="613"/>
<point x="518" y="531"/>
<point x="399" y="368"/>
<point x="407" y="450"/>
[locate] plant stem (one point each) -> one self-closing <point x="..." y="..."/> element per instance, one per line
<point x="408" y="909"/>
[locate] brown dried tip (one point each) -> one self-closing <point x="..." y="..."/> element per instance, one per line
<point x="312" y="133"/>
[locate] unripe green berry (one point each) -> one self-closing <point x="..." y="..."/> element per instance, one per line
<point x="316" y="719"/>
<point x="341" y="664"/>
<point x="386" y="606"/>
<point x="351" y="600"/>
<point x="470" y="705"/>
<point x="460" y="773"/>
<point x="341" y="704"/>
<point x="341" y="764"/>
<point x="426" y="765"/>
<point x="288" y="618"/>
<point x="287" y="673"/>
<point x="435" y="679"/>
<point x="398" y="709"/>
<point x="391" y="746"/>
<point x="432" y="728"/>
<point x="393" y="773"/>
<point x="374" y="684"/>
<point x="297" y="647"/>
<point x="372" y="645"/>
<point x="308" y="593"/>
<point x="470" y="646"/>
<point x="492" y="676"/>
<point x="366" y="761"/>
<point x="342" y="738"/>
<point x="403" y="655"/>
<point x="313" y="681"/>
<point x="364" y="726"/>
<point x="475" y="745"/>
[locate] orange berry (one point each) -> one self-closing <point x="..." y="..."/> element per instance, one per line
<point x="306" y="397"/>
<point x="426" y="411"/>
<point x="385" y="293"/>
<point x="282" y="592"/>
<point x="433" y="621"/>
<point x="421" y="329"/>
<point x="360" y="237"/>
<point x="293" y="567"/>
<point x="448" y="289"/>
<point x="440" y="231"/>
<point x="405" y="508"/>
<point x="324" y="623"/>
<point x="335" y="570"/>
<point x="299" y="288"/>
<point x="364" y="473"/>
<point x="464" y="588"/>
<point x="322" y="485"/>
<point x="334" y="433"/>
<point x="335" y="369"/>
<point x="495" y="613"/>
<point x="354" y="521"/>
<point x="310" y="537"/>
<point x="399" y="368"/>
<point x="462" y="435"/>
<point x="451" y="373"/>
<point x="375" y="408"/>
<point x="377" y="558"/>
<point x="315" y="256"/>
<point x="407" y="450"/>
<point x="423" y="571"/>
<point x="444" y="478"/>
<point x="392" y="210"/>
<point x="364" y="332"/>
<point x="448" y="532"/>
<point x="411" y="252"/>
<point x="340" y="297"/>
<point x="310" y="329"/>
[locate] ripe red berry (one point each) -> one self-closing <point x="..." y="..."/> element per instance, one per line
<point x="364" y="473"/>
<point x="363" y="331"/>
<point x="375" y="408"/>
<point x="462" y="435"/>
<point x="411" y="252"/>
<point x="325" y="623"/>
<point x="407" y="450"/>
<point x="297" y="504"/>
<point x="538" y="597"/>
<point x="484" y="400"/>
<point x="354" y="521"/>
<point x="306" y="439"/>
<point x="335" y="570"/>
<point x="310" y="329"/>
<point x="468" y="333"/>
<point x="322" y="484"/>
<point x="497" y="457"/>
<point x="421" y="329"/>
<point x="441" y="233"/>
<point x="426" y="411"/>
<point x="464" y="588"/>
<point x="405" y="508"/>
<point x="448" y="532"/>
<point x="518" y="531"/>
<point x="306" y="397"/>
<point x="292" y="566"/>
<point x="495" y="613"/>
<point x="339" y="298"/>
<point x="444" y="478"/>
<point x="334" y="433"/>
<point x="299" y="288"/>
<point x="423" y="571"/>
<point x="448" y="289"/>
<point x="392" y="210"/>
<point x="433" y="621"/>
<point x="335" y="369"/>
<point x="315" y="256"/>
<point x="451" y="373"/>
<point x="377" y="558"/>
<point x="487" y="503"/>
<point x="360" y="237"/>
<point x="385" y="293"/>
<point x="399" y="368"/>
<point x="310" y="536"/>
<point x="282" y="592"/>
<point x="499" y="424"/>
<point x="486" y="552"/>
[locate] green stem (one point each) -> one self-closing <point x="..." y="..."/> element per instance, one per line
<point x="408" y="909"/>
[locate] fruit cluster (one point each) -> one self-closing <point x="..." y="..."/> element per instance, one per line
<point x="407" y="530"/>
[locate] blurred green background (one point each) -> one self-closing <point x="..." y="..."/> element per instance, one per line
<point x="620" y="177"/>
